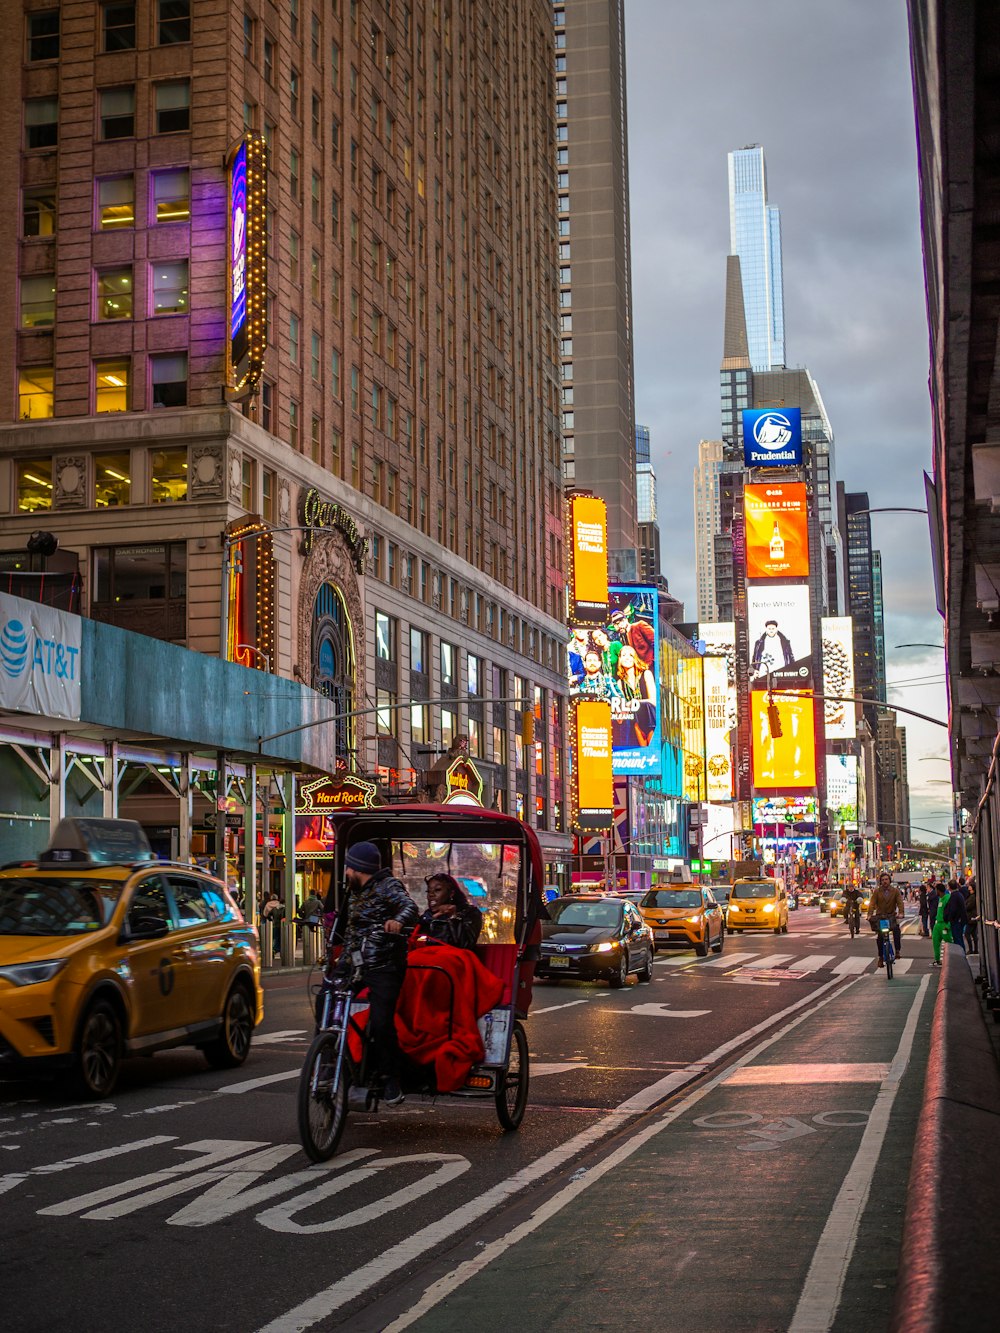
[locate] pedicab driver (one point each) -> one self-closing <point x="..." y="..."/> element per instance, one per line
<point x="374" y="921"/>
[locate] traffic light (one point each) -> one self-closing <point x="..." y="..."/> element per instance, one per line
<point x="528" y="727"/>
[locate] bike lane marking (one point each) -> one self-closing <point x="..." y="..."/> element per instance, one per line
<point x="854" y="964"/>
<point x="8" y="1182"/>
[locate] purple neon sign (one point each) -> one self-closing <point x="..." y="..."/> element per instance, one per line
<point x="238" y="248"/>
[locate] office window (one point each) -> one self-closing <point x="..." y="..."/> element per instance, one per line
<point x="335" y="380"/>
<point x="142" y="587"/>
<point x="315" y="356"/>
<point x="114" y="293"/>
<point x="35" y="396"/>
<point x="168" y="475"/>
<point x="266" y="404"/>
<point x="118" y="27"/>
<point x="173" y="21"/>
<point x="293" y="92"/>
<point x="34" y="485"/>
<point x="38" y="212"/>
<point x="385" y="637"/>
<point x="269" y="487"/>
<point x="43" y="35"/>
<point x="117" y="112"/>
<point x="315" y="273"/>
<point x="41" y="122"/>
<point x="112" y="479"/>
<point x="419" y="731"/>
<point x="447" y="664"/>
<point x="449" y="727"/>
<point x="249" y="37"/>
<point x="168" y="380"/>
<point x="294" y="436"/>
<point x="474" y="671"/>
<point x="294" y="338"/>
<point x="170" y="287"/>
<point x="172" y="195"/>
<point x="38" y="301"/>
<point x="268" y="61"/>
<point x="116" y="203"/>
<point x="173" y="106"/>
<point x="385" y="717"/>
<point x="111" y="384"/>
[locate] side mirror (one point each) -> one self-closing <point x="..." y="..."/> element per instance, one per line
<point x="147" y="928"/>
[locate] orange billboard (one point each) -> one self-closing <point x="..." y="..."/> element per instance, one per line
<point x="593" y="783"/>
<point x="784" y="741"/>
<point x="587" y="543"/>
<point x="777" y="530"/>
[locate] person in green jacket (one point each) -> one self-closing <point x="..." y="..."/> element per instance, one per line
<point x="941" y="930"/>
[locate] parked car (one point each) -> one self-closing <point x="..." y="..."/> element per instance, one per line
<point x="594" y="936"/>
<point x="686" y="915"/>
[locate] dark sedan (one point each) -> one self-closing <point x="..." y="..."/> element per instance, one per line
<point x="594" y="937"/>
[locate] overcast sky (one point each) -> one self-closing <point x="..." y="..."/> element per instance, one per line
<point x="826" y="89"/>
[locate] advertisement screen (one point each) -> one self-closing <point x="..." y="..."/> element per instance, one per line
<point x="786" y="760"/>
<point x="718" y="760"/>
<point x="837" y="633"/>
<point x="593" y="784"/>
<point x="842" y="789"/>
<point x="315" y="838"/>
<point x="690" y="693"/>
<point x="780" y="639"/>
<point x="617" y="662"/>
<point x="777" y="532"/>
<point x="718" y="639"/>
<point x="588" y="553"/>
<point x="785" y="809"/>
<point x="772" y="438"/>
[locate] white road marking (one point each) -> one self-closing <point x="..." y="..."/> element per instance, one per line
<point x="251" y="1084"/>
<point x="567" y="1004"/>
<point x="729" y="960"/>
<point x="769" y="960"/>
<point x="540" y="1070"/>
<point x="679" y="960"/>
<point x="813" y="962"/>
<point x="272" y="1038"/>
<point x="820" y="1299"/>
<point x="158" y="1110"/>
<point x="8" y="1182"/>
<point x="664" y="1011"/>
<point x="758" y="1075"/>
<point x="901" y="965"/>
<point x="856" y="963"/>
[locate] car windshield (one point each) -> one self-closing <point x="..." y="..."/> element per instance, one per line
<point x="56" y="906"/>
<point x="754" y="890"/>
<point x="570" y="913"/>
<point x="672" y="898"/>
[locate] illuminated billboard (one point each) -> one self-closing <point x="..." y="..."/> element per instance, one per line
<point x="837" y="635"/>
<point x="592" y="788"/>
<point x="786" y="761"/>
<point x="587" y="545"/>
<point x="247" y="259"/>
<point x="842" y="789"/>
<point x="777" y="533"/>
<point x="690" y="694"/>
<point x="617" y="662"/>
<point x="772" y="437"/>
<point x="781" y="809"/>
<point x="779" y="634"/>
<point x="719" y="639"/>
<point x="718" y="757"/>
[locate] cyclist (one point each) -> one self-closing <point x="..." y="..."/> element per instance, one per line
<point x="886" y="905"/>
<point x="852" y="907"/>
<point x="373" y="923"/>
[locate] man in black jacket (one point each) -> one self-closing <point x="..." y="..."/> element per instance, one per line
<point x="373" y="923"/>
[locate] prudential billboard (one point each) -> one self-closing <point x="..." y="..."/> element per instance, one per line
<point x="772" y="437"/>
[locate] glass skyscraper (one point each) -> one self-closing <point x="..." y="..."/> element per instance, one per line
<point x="755" y="235"/>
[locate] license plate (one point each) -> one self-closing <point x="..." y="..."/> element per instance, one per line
<point x="558" y="962"/>
<point x="661" y="934"/>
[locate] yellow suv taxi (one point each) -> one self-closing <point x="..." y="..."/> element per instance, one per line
<point x="106" y="952"/>
<point x="686" y="915"/>
<point x="757" y="904"/>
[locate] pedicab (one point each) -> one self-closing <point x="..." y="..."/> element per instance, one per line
<point x="460" y="1020"/>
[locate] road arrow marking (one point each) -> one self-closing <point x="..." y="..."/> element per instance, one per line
<point x="664" y="1011"/>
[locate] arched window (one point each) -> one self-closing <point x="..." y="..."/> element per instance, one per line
<point x="333" y="662"/>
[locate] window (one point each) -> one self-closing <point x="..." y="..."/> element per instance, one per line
<point x="168" y="376"/>
<point x="269" y="486"/>
<point x="475" y="737"/>
<point x="119" y="27"/>
<point x="168" y="475"/>
<point x="111" y="382"/>
<point x="419" y="731"/>
<point x="249" y="35"/>
<point x="116" y="203"/>
<point x="268" y="61"/>
<point x="173" y="106"/>
<point x="192" y="909"/>
<point x="293" y="423"/>
<point x="449" y="727"/>
<point x="38" y="301"/>
<point x="35" y="395"/>
<point x="43" y="35"/>
<point x="112" y="481"/>
<point x="173" y="22"/>
<point x="385" y="637"/>
<point x="41" y="122"/>
<point x="142" y="587"/>
<point x="117" y="112"/>
<point x="315" y="356"/>
<point x="335" y="380"/>
<point x="248" y="484"/>
<point x="385" y="717"/>
<point x="447" y="664"/>
<point x="267" y="404"/>
<point x="418" y="650"/>
<point x="293" y="92"/>
<point x="172" y="195"/>
<point x="114" y="293"/>
<point x="474" y="670"/>
<point x="34" y="485"/>
<point x="170" y="287"/>
<point x="38" y="212"/>
<point x="294" y="338"/>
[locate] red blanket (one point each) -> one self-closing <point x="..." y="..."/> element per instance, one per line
<point x="423" y="1009"/>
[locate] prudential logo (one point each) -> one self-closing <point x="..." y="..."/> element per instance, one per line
<point x="773" y="431"/>
<point x="14" y="648"/>
<point x="772" y="437"/>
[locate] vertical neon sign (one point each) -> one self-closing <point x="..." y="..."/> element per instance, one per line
<point x="246" y="249"/>
<point x="238" y="255"/>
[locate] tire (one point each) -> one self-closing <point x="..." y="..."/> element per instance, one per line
<point x="512" y="1096"/>
<point x="98" y="1052"/>
<point x="323" y="1113"/>
<point x="701" y="949"/>
<point x="618" y="979"/>
<point x="718" y="948"/>
<point x="784" y="929"/>
<point x="646" y="973"/>
<point x="777" y="930"/>
<point x="888" y="965"/>
<point x="232" y="1046"/>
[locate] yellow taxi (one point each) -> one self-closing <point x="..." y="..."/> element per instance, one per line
<point x="106" y="952"/>
<point x="687" y="915"/>
<point x="757" y="904"/>
<point x="836" y="905"/>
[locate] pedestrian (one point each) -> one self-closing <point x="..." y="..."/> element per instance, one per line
<point x="923" y="910"/>
<point x="941" y="930"/>
<point x="956" y="915"/>
<point x="972" y="912"/>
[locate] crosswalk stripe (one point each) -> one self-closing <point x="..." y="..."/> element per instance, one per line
<point x="772" y="960"/>
<point x="902" y="965"/>
<point x="731" y="960"/>
<point x="677" y="960"/>
<point x="854" y="965"/>
<point x="813" y="962"/>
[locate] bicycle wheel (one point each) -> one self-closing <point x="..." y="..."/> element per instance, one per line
<point x="322" y="1098"/>
<point x="889" y="959"/>
<point x="512" y="1095"/>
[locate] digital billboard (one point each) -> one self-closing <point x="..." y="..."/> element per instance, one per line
<point x="617" y="662"/>
<point x="842" y="789"/>
<point x="786" y="760"/>
<point x="593" y="784"/>
<point x="780" y="637"/>
<point x="777" y="533"/>
<point x="587" y="545"/>
<point x="718" y="756"/>
<point x="690" y="693"/>
<point x="718" y="638"/>
<point x="782" y="809"/>
<point x="772" y="437"/>
<point x="247" y="260"/>
<point x="837" y="635"/>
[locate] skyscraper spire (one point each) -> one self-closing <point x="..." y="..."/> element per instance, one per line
<point x="755" y="236"/>
<point x="735" y="347"/>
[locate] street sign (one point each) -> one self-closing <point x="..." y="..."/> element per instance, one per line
<point x="232" y="820"/>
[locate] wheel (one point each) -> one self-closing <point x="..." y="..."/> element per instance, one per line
<point x="701" y="948"/>
<point x="512" y="1096"/>
<point x="232" y="1046"/>
<point x="777" y="930"/>
<point x="738" y="930"/>
<point x="322" y="1106"/>
<point x="620" y="977"/>
<point x="718" y="948"/>
<point x="646" y="973"/>
<point x="889" y="956"/>
<point x="784" y="929"/>
<point x="98" y="1051"/>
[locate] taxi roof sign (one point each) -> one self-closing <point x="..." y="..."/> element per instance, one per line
<point x="97" y="842"/>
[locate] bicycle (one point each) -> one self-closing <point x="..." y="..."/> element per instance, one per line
<point x="854" y="920"/>
<point x="329" y="1069"/>
<point x="885" y="947"/>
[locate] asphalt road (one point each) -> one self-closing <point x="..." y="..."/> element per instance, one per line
<point x="187" y="1199"/>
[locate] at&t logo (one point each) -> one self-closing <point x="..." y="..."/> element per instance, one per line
<point x="13" y="648"/>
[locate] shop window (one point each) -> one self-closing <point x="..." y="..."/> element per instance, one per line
<point x="34" y="485"/>
<point x="173" y="21"/>
<point x="168" y="475"/>
<point x="168" y="377"/>
<point x="43" y="35"/>
<point x="35" y="395"/>
<point x="116" y="203"/>
<point x="173" y="106"/>
<point x="114" y="293"/>
<point x="38" y="301"/>
<point x="111" y="383"/>
<point x="112" y="480"/>
<point x="142" y="588"/>
<point x="172" y="195"/>
<point x="119" y="27"/>
<point x="38" y="213"/>
<point x="117" y="113"/>
<point x="41" y="122"/>
<point x="170" y="287"/>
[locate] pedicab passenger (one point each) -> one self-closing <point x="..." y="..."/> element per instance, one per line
<point x="450" y="918"/>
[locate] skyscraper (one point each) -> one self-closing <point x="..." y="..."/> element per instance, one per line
<point x="645" y="492"/>
<point x="755" y="236"/>
<point x="706" y="524"/>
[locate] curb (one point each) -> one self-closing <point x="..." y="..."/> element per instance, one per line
<point x="947" y="1267"/>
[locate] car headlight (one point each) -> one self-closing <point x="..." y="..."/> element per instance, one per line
<point x="605" y="947"/>
<point x="30" y="974"/>
<point x="695" y="920"/>
<point x="769" y="907"/>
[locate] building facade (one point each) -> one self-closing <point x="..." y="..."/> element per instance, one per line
<point x="650" y="569"/>
<point x="755" y="236"/>
<point x="706" y="525"/>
